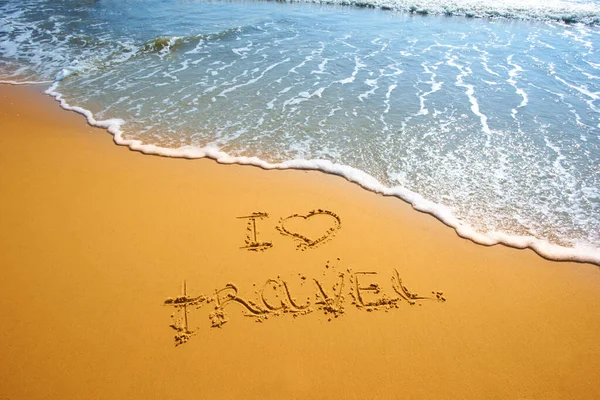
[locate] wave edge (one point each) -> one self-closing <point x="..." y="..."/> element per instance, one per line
<point x="579" y="253"/>
<point x="553" y="10"/>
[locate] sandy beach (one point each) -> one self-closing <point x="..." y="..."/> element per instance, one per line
<point x="127" y="276"/>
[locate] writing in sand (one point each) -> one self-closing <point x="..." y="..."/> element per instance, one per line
<point x="329" y="294"/>
<point x="309" y="231"/>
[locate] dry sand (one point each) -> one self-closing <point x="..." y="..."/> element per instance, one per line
<point x="96" y="242"/>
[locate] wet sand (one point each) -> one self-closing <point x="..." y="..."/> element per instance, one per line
<point x="336" y="293"/>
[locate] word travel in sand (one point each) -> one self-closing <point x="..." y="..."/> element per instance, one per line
<point x="329" y="294"/>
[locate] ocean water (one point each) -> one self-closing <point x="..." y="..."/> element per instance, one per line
<point x="483" y="113"/>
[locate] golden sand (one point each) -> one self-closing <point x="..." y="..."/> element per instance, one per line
<point x="317" y="288"/>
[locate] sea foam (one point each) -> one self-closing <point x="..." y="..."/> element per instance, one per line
<point x="574" y="11"/>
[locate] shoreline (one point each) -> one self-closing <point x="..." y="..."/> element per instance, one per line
<point x="98" y="238"/>
<point x="549" y="251"/>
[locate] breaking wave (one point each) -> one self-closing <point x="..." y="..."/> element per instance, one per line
<point x="552" y="10"/>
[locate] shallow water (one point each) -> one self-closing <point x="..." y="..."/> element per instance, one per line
<point x="490" y="124"/>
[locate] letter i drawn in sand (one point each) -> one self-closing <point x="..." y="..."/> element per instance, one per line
<point x="185" y="307"/>
<point x="252" y="243"/>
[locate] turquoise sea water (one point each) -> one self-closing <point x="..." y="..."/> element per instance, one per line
<point x="492" y="124"/>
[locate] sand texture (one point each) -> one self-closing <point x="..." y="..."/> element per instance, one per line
<point x="126" y="276"/>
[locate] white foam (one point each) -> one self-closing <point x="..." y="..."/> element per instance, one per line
<point x="488" y="70"/>
<point x="184" y="66"/>
<point x="512" y="75"/>
<point x="386" y="102"/>
<point x="7" y="82"/>
<point x="387" y="98"/>
<point x="593" y="96"/>
<point x="63" y="74"/>
<point x="470" y="92"/>
<point x="580" y="37"/>
<point x="302" y="64"/>
<point x="321" y="67"/>
<point x="584" y="11"/>
<point x="435" y="86"/>
<point x="372" y="83"/>
<point x="357" y="66"/>
<point x="587" y="74"/>
<point x="253" y="80"/>
<point x="581" y="89"/>
<point x="593" y="65"/>
<point x="241" y="51"/>
<point x="578" y="253"/>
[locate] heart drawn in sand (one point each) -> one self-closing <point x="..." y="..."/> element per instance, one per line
<point x="311" y="229"/>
